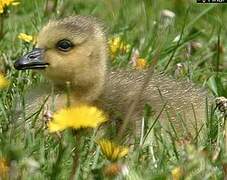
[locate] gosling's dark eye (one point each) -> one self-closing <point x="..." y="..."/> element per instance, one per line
<point x="64" y="45"/>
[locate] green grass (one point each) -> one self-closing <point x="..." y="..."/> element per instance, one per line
<point x="33" y="153"/>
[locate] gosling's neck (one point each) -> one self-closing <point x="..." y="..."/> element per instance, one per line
<point x="88" y="92"/>
<point x="88" y="86"/>
<point x="85" y="88"/>
<point x="82" y="92"/>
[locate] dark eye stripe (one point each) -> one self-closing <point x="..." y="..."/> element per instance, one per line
<point x="64" y="45"/>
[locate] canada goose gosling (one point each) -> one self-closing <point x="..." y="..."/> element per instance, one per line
<point x="74" y="50"/>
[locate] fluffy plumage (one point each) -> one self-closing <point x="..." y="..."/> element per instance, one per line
<point x="84" y="67"/>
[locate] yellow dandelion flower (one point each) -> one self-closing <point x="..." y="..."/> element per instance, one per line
<point x="3" y="82"/>
<point x="4" y="168"/>
<point x="117" y="45"/>
<point x="111" y="150"/>
<point x="141" y="63"/>
<point x="5" y="3"/>
<point x="177" y="173"/>
<point x="82" y="116"/>
<point x="25" y="37"/>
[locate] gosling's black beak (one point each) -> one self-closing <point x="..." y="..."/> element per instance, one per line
<point x="31" y="60"/>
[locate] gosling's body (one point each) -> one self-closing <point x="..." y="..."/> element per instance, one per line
<point x="83" y="67"/>
<point x="182" y="101"/>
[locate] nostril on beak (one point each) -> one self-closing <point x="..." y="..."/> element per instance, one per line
<point x="31" y="56"/>
<point x="32" y="60"/>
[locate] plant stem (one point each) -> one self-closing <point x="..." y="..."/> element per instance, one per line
<point x="75" y="165"/>
<point x="75" y="156"/>
<point x="68" y="94"/>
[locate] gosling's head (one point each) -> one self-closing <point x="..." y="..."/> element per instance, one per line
<point x="69" y="50"/>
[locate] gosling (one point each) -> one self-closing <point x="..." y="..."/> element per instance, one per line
<point x="74" y="52"/>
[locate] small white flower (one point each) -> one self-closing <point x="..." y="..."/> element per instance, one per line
<point x="167" y="13"/>
<point x="167" y="18"/>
